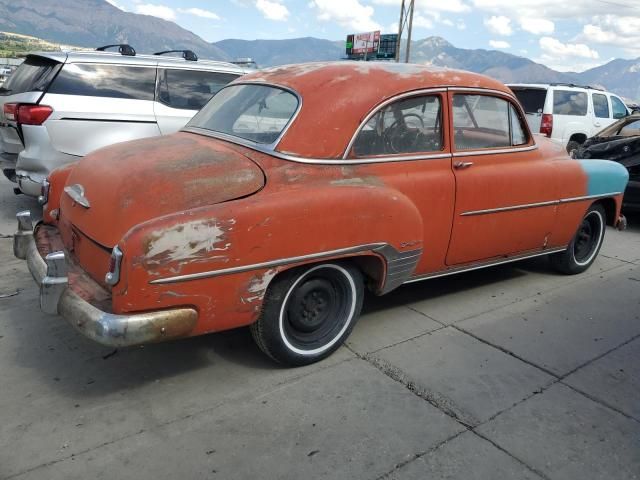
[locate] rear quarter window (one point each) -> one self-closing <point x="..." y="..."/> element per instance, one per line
<point x="115" y="81"/>
<point x="567" y="102"/>
<point x="190" y="89"/>
<point x="33" y="75"/>
<point x="531" y="99"/>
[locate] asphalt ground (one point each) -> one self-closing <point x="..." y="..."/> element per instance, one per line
<point x="512" y="372"/>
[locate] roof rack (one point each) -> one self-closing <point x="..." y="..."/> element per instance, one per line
<point x="562" y="84"/>
<point x="188" y="55"/>
<point x="123" y="48"/>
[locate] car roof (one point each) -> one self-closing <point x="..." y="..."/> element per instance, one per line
<point x="337" y="96"/>
<point x="560" y="86"/>
<point x="92" y="56"/>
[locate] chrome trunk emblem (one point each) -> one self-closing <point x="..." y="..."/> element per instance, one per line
<point x="76" y="192"/>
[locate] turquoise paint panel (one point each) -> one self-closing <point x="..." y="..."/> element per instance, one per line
<point x="604" y="176"/>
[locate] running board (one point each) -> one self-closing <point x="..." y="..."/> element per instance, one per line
<point x="478" y="266"/>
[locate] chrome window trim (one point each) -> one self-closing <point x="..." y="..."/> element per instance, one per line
<point x="539" y="204"/>
<point x="264" y="147"/>
<point x="380" y="106"/>
<point x="498" y="151"/>
<point x="483" y="90"/>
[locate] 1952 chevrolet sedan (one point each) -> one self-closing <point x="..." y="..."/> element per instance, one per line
<point x="297" y="187"/>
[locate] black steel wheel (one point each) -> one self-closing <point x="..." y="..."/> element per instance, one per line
<point x="309" y="312"/>
<point x="585" y="245"/>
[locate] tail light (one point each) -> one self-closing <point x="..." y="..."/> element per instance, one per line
<point x="113" y="276"/>
<point x="10" y="111"/>
<point x="33" y="114"/>
<point x="27" y="113"/>
<point x="546" y="124"/>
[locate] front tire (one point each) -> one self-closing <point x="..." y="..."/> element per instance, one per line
<point x="585" y="245"/>
<point x="308" y="312"/>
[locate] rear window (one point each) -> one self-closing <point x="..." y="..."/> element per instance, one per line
<point x="258" y="113"/>
<point x="190" y="89"/>
<point x="531" y="99"/>
<point x="567" y="102"/>
<point x="33" y="75"/>
<point x="116" y="81"/>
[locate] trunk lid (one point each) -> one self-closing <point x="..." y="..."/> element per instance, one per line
<point x="132" y="182"/>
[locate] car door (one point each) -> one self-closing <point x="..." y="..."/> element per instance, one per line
<point x="618" y="108"/>
<point x="182" y="92"/>
<point x="504" y="190"/>
<point x="404" y="147"/>
<point x="601" y="112"/>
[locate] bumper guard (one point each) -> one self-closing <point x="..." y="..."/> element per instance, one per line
<point x="113" y="330"/>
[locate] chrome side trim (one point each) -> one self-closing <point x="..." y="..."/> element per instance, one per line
<point x="400" y="266"/>
<point x="468" y="153"/>
<point x="76" y="192"/>
<point x="538" y="204"/>
<point x="478" y="266"/>
<point x="380" y="106"/>
<point x="269" y="264"/>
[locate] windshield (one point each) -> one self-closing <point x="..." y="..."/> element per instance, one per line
<point x="258" y="113"/>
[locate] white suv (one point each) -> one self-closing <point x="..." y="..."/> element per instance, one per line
<point x="567" y="113"/>
<point x="58" y="107"/>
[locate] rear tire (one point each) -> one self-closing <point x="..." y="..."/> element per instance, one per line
<point x="585" y="245"/>
<point x="571" y="146"/>
<point x="308" y="312"/>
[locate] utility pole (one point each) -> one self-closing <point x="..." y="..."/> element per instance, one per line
<point x="406" y="15"/>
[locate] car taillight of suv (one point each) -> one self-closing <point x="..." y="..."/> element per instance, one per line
<point x="546" y="124"/>
<point x="27" y="113"/>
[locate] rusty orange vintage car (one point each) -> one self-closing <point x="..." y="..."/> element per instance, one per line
<point x="296" y="188"/>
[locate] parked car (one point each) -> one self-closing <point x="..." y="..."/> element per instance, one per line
<point x="619" y="142"/>
<point x="408" y="173"/>
<point x="567" y="113"/>
<point x="57" y="107"/>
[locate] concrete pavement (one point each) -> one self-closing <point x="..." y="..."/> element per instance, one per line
<point x="510" y="372"/>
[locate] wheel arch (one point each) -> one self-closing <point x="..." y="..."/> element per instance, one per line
<point x="610" y="210"/>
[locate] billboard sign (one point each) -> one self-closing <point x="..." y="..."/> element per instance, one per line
<point x="366" y="42"/>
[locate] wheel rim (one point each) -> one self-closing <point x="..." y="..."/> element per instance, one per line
<point x="588" y="238"/>
<point x="317" y="309"/>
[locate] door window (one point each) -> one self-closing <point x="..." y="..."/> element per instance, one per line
<point x="411" y="125"/>
<point x="569" y="102"/>
<point x="619" y="110"/>
<point x="116" y="81"/>
<point x="190" y="89"/>
<point x="600" y="105"/>
<point x="483" y="121"/>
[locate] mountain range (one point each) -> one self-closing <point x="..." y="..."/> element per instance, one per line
<point x="92" y="23"/>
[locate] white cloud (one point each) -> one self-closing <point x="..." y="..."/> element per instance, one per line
<point x="429" y="6"/>
<point x="347" y="13"/>
<point x="421" y="21"/>
<point x="161" y="11"/>
<point x="460" y="25"/>
<point x="199" y="12"/>
<point x="112" y="2"/>
<point x="272" y="10"/>
<point x="617" y="31"/>
<point x="537" y="26"/>
<point x="567" y="56"/>
<point x="499" y="44"/>
<point x="447" y="22"/>
<point x="500" y="25"/>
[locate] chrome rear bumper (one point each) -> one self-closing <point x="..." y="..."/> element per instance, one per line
<point x="56" y="297"/>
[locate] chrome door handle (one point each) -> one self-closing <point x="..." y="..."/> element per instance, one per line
<point x="461" y="165"/>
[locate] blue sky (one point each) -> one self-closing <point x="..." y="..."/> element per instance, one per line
<point x="565" y="35"/>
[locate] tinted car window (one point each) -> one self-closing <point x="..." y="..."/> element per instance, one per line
<point x="411" y="125"/>
<point x="257" y="113"/>
<point x="33" y="75"/>
<point x="531" y="99"/>
<point x="190" y="89"/>
<point x="600" y="105"/>
<point x="480" y="121"/>
<point x="115" y="81"/>
<point x="566" y="102"/>
<point x="619" y="110"/>
<point x="629" y="129"/>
